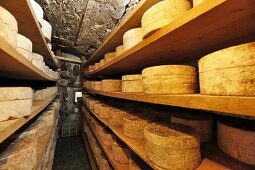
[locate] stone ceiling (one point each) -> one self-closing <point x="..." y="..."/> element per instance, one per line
<point x="80" y="26"/>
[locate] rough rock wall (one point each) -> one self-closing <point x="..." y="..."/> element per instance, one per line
<point x="80" y="26"/>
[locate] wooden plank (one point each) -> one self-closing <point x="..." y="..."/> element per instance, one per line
<point x="210" y="26"/>
<point x="15" y="65"/>
<point x="7" y="128"/>
<point x="29" y="27"/>
<point x="232" y="105"/>
<point x="132" y="20"/>
<point x="108" y="151"/>
<point x="68" y="59"/>
<point x="212" y="157"/>
<point x="89" y="152"/>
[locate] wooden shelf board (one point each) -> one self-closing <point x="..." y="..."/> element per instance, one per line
<point x="29" y="27"/>
<point x="234" y="105"/>
<point x="210" y="26"/>
<point x="212" y="157"/>
<point x="108" y="151"/>
<point x="89" y="152"/>
<point x="132" y="20"/>
<point x="15" y="65"/>
<point x="7" y="128"/>
<point x="68" y="59"/>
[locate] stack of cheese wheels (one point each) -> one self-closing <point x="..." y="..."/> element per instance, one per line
<point x="102" y="62"/>
<point x="8" y="27"/>
<point x="233" y="75"/>
<point x="135" y="163"/>
<point x="110" y="85"/>
<point x="109" y="56"/>
<point x="38" y="11"/>
<point x="132" y="83"/>
<point x="134" y="124"/>
<point x="24" y="46"/>
<point x="105" y="111"/>
<point x="47" y="30"/>
<point x="37" y="60"/>
<point x="237" y="139"/>
<point x="131" y="38"/>
<point x="15" y="102"/>
<point x="106" y="137"/>
<point x="120" y="152"/>
<point x="161" y="14"/>
<point x="98" y="85"/>
<point x="116" y="117"/>
<point x="197" y="2"/>
<point x="172" y="146"/>
<point x="169" y="79"/>
<point x="21" y="154"/>
<point x="202" y="123"/>
<point x="119" y="50"/>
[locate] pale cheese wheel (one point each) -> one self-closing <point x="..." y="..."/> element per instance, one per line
<point x="172" y="146"/>
<point x="172" y="84"/>
<point x="49" y="46"/>
<point x="8" y="34"/>
<point x="110" y="85"/>
<point x="102" y="62"/>
<point x="203" y="124"/>
<point x="120" y="152"/>
<point x="233" y="75"/>
<point x="97" y="66"/>
<point x="38" y="11"/>
<point x="46" y="69"/>
<point x="109" y="56"/>
<point x="119" y="50"/>
<point x="6" y="18"/>
<point x="132" y="83"/>
<point x="42" y="127"/>
<point x="116" y="117"/>
<point x="106" y="137"/>
<point x="98" y="85"/>
<point x="21" y="154"/>
<point x="131" y="38"/>
<point x="134" y="124"/>
<point x="25" y="43"/>
<point x="47" y="30"/>
<point x="169" y="70"/>
<point x="38" y="64"/>
<point x="161" y="14"/>
<point x="237" y="142"/>
<point x="15" y="93"/>
<point x="197" y="2"/>
<point x="25" y="53"/>
<point x="36" y="56"/>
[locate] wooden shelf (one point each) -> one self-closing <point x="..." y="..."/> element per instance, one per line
<point x="68" y="59"/>
<point x="15" y="65"/>
<point x="233" y="105"/>
<point x="29" y="27"/>
<point x="210" y="26"/>
<point x="89" y="152"/>
<point x="212" y="157"/>
<point x="132" y="20"/>
<point x="7" y="128"/>
<point x="108" y="151"/>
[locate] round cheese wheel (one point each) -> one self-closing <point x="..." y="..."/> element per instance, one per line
<point x="102" y="62"/>
<point x="132" y="83"/>
<point x="97" y="65"/>
<point x="172" y="146"/>
<point x="106" y="137"/>
<point x="131" y="38"/>
<point x="6" y="18"/>
<point x="15" y="93"/>
<point x="169" y="70"/>
<point x="233" y="75"/>
<point x="203" y="124"/>
<point x="110" y="85"/>
<point x="8" y="34"/>
<point x="116" y="117"/>
<point x="134" y="124"/>
<point x="197" y="2"/>
<point x="91" y="68"/>
<point x="109" y="56"/>
<point x="39" y="64"/>
<point x="24" y="42"/>
<point x="50" y="46"/>
<point x="46" y="70"/>
<point x="120" y="152"/>
<point x="25" y="53"/>
<point x="119" y="50"/>
<point x="47" y="30"/>
<point x="105" y="111"/>
<point x="237" y="142"/>
<point x="161" y="14"/>
<point x="36" y="56"/>
<point x="98" y="85"/>
<point x="38" y="11"/>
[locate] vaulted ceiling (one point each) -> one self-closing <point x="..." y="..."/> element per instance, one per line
<point x="80" y="26"/>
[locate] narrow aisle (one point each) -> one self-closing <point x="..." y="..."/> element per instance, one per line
<point x="71" y="154"/>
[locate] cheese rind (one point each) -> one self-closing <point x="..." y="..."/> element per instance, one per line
<point x="8" y="34"/>
<point x="24" y="43"/>
<point x="119" y="50"/>
<point x="197" y="2"/>
<point x="6" y="18"/>
<point x="132" y="83"/>
<point x="37" y="10"/>
<point x="169" y="70"/>
<point x="36" y="56"/>
<point x="47" y="30"/>
<point x="161" y="14"/>
<point x="110" y="85"/>
<point x="25" y="53"/>
<point x="15" y="93"/>
<point x="131" y="38"/>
